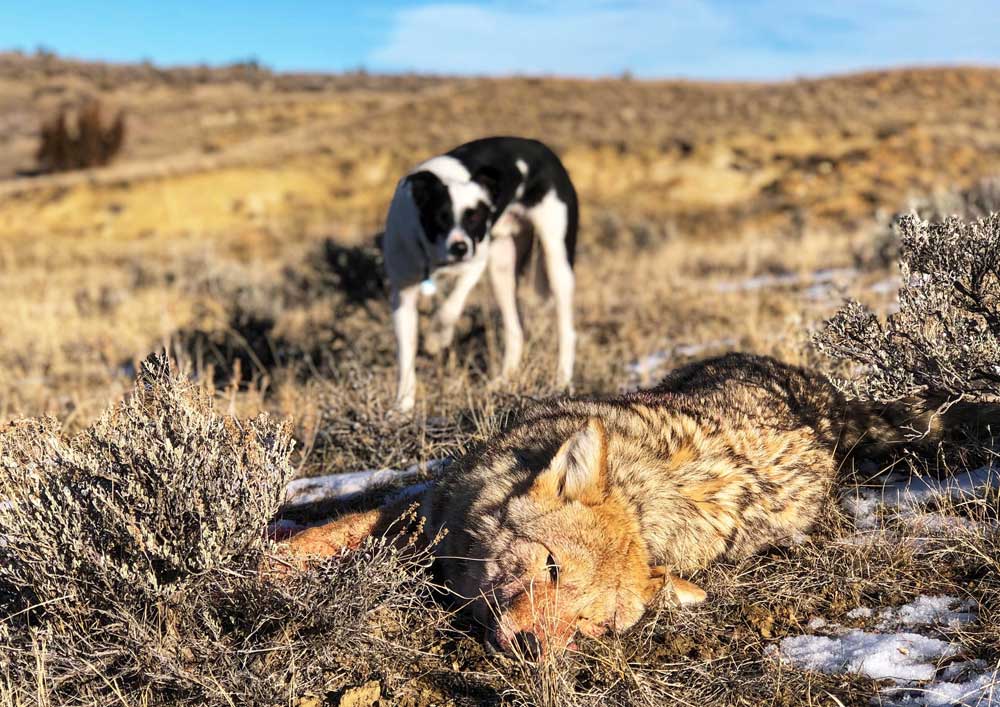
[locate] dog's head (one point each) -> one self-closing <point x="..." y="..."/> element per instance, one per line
<point x="455" y="216"/>
<point x="566" y="555"/>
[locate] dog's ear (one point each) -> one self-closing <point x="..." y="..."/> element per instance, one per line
<point x="423" y="186"/>
<point x="489" y="179"/>
<point x="578" y="471"/>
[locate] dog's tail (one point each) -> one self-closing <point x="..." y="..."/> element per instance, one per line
<point x="531" y="257"/>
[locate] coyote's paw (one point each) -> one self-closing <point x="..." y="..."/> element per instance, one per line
<point x="684" y="592"/>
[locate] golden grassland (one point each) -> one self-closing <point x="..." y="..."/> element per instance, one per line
<point x="236" y="230"/>
<point x="231" y="176"/>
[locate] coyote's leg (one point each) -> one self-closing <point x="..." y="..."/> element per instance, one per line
<point x="346" y="532"/>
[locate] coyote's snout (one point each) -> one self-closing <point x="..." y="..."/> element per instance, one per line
<point x="577" y="516"/>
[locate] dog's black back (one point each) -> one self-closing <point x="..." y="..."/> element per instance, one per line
<point x="496" y="159"/>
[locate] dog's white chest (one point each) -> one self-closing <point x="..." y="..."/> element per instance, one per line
<point x="428" y="288"/>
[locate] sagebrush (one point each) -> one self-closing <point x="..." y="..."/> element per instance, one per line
<point x="130" y="555"/>
<point x="943" y="343"/>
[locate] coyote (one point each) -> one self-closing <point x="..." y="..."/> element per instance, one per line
<point x="584" y="510"/>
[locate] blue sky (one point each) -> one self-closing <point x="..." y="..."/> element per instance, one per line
<point x="714" y="39"/>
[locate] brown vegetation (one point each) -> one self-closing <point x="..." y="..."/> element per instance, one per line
<point x="128" y="565"/>
<point x="89" y="144"/>
<point x="944" y="342"/>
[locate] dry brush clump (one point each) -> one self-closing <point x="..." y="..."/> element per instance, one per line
<point x="129" y="565"/>
<point x="943" y="343"/>
<point x="978" y="201"/>
<point x="90" y="143"/>
<point x="975" y="202"/>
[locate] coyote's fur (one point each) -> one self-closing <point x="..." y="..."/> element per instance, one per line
<point x="580" y="513"/>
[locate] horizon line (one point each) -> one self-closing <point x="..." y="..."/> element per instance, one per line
<point x="624" y="75"/>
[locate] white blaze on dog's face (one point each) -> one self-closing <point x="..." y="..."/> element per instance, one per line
<point x="455" y="210"/>
<point x="565" y="556"/>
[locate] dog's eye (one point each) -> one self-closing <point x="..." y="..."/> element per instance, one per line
<point x="553" y="568"/>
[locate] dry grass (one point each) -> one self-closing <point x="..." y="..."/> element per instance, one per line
<point x="236" y="232"/>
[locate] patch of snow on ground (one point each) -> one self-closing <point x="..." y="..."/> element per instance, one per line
<point x="342" y="487"/>
<point x="911" y="660"/>
<point x="888" y="286"/>
<point x="764" y="282"/>
<point x="906" y="494"/>
<point x="646" y="367"/>
<point x="929" y="611"/>
<point x="903" y="657"/>
<point x="981" y="690"/>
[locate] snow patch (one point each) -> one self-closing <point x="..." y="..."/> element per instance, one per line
<point x="906" y="494"/>
<point x="904" y="657"/>
<point x="766" y="282"/>
<point x="647" y="366"/>
<point x="930" y="611"/>
<point x="342" y="487"/>
<point x="978" y="691"/>
<point x="910" y="660"/>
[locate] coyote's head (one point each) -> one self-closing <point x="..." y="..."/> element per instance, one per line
<point x="565" y="555"/>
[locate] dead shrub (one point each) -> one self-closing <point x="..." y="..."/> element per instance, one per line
<point x="129" y="565"/>
<point x="90" y="143"/>
<point x="943" y="344"/>
<point x="976" y="202"/>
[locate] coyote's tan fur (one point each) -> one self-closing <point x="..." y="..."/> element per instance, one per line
<point x="577" y="516"/>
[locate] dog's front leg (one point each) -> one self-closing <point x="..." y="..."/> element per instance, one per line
<point x="440" y="337"/>
<point x="405" y="320"/>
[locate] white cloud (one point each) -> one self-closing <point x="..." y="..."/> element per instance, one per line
<point x="697" y="38"/>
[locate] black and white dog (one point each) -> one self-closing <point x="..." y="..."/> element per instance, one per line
<point x="480" y="206"/>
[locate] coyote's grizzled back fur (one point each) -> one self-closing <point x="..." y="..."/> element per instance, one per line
<point x="722" y="457"/>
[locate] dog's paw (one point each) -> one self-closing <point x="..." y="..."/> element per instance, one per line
<point x="404" y="405"/>
<point x="438" y="339"/>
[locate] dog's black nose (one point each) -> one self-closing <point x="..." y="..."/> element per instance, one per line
<point x="458" y="249"/>
<point x="527" y="645"/>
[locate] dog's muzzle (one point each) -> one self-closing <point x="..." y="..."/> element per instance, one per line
<point x="459" y="248"/>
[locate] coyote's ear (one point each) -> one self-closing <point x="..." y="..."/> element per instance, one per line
<point x="578" y="471"/>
